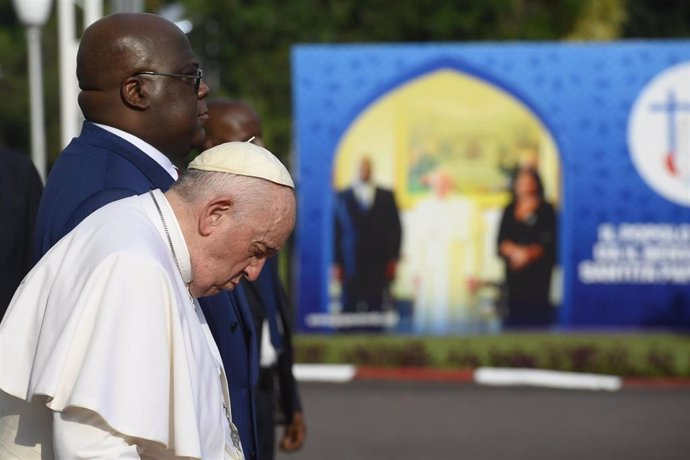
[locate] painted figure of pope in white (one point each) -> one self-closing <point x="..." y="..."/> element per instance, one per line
<point x="104" y="351"/>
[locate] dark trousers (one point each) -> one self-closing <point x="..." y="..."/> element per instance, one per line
<point x="265" y="410"/>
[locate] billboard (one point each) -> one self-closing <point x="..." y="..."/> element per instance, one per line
<point x="469" y="188"/>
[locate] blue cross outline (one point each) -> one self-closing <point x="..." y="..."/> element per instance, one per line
<point x="671" y="106"/>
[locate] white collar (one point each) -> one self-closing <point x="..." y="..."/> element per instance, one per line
<point x="179" y="246"/>
<point x="155" y="154"/>
<point x="364" y="192"/>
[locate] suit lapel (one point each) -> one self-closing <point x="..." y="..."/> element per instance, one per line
<point x="243" y="311"/>
<point x="156" y="174"/>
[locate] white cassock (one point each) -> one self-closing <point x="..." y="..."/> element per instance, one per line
<point x="444" y="253"/>
<point x="115" y="356"/>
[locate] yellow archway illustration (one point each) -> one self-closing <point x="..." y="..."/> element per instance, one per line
<point x="476" y="134"/>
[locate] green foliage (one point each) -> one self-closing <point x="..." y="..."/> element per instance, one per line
<point x="600" y="20"/>
<point x="14" y="109"/>
<point x="246" y="44"/>
<point x="413" y="354"/>
<point x="14" y="131"/>
<point x="657" y="19"/>
<point x="643" y="355"/>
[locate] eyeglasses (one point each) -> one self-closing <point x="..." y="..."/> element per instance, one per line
<point x="196" y="77"/>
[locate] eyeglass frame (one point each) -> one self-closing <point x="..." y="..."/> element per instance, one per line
<point x="197" y="78"/>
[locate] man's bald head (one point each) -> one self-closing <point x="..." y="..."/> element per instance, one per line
<point x="162" y="110"/>
<point x="231" y="120"/>
<point x="119" y="45"/>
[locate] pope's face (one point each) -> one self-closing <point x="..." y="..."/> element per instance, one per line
<point x="240" y="244"/>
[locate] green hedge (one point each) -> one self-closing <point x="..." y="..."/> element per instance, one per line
<point x="639" y="355"/>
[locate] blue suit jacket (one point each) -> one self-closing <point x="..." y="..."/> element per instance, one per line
<point x="97" y="168"/>
<point x="365" y="240"/>
<point x="276" y="306"/>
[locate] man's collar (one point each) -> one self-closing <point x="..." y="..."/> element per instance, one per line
<point x="155" y="154"/>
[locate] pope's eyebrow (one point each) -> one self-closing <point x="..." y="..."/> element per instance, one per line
<point x="270" y="250"/>
<point x="264" y="249"/>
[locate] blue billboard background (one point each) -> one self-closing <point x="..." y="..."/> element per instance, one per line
<point x="621" y="243"/>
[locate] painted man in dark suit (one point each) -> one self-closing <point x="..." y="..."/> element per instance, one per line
<point x="367" y="242"/>
<point x="20" y="192"/>
<point x="142" y="96"/>
<point x="234" y="120"/>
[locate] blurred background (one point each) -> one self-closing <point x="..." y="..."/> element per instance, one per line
<point x="270" y="53"/>
<point x="245" y="45"/>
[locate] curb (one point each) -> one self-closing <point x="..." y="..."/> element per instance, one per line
<point x="496" y="376"/>
<point x="489" y="376"/>
<point x="415" y="374"/>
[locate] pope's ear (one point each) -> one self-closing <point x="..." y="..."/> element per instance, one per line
<point x="214" y="214"/>
<point x="134" y="94"/>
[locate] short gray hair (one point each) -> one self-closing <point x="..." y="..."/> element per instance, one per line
<point x="196" y="185"/>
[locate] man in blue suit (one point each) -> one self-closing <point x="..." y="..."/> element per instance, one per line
<point x="367" y="242"/>
<point x="142" y="96"/>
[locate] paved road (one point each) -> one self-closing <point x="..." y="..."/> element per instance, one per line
<point x="432" y="420"/>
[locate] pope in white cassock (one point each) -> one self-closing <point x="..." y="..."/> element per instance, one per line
<point x="444" y="252"/>
<point x="104" y="351"/>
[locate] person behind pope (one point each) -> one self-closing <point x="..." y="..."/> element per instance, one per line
<point x="277" y="393"/>
<point x="104" y="351"/>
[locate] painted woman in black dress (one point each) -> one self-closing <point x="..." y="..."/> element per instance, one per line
<point x="527" y="243"/>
